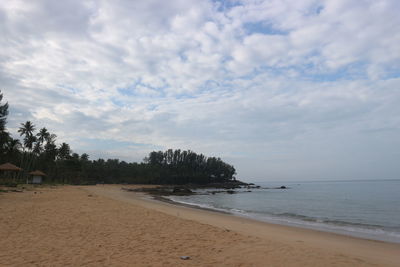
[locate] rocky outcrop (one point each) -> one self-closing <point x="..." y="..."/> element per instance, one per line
<point x="177" y="190"/>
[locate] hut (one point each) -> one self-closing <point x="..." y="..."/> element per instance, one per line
<point x="37" y="177"/>
<point x="9" y="170"/>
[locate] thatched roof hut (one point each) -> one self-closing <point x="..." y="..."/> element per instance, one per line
<point x="9" y="171"/>
<point x="9" y="167"/>
<point x="37" y="176"/>
<point x="37" y="173"/>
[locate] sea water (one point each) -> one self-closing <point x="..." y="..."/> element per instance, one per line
<point x="368" y="209"/>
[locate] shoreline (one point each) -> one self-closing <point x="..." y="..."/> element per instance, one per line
<point x="106" y="226"/>
<point x="321" y="227"/>
<point x="172" y="202"/>
<point x="335" y="242"/>
<point x="291" y="225"/>
<point x="367" y="232"/>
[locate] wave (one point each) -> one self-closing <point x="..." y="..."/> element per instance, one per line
<point x="334" y="222"/>
<point x="370" y="231"/>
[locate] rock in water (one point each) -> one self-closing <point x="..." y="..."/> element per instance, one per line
<point x="182" y="190"/>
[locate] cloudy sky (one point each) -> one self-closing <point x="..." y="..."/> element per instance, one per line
<point x="283" y="90"/>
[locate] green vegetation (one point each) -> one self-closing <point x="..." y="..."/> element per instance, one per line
<point x="38" y="150"/>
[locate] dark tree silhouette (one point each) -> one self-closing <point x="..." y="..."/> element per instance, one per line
<point x="64" y="151"/>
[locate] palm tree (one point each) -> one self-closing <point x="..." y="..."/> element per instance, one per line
<point x="50" y="147"/>
<point x="37" y="148"/>
<point x="64" y="151"/>
<point x="50" y="150"/>
<point x="26" y="129"/>
<point x="13" y="146"/>
<point x="51" y="139"/>
<point x="11" y="149"/>
<point x="43" y="135"/>
<point x="29" y="142"/>
<point x="50" y="155"/>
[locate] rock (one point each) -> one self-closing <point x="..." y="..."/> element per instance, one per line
<point x="216" y="191"/>
<point x="185" y="258"/>
<point x="181" y="190"/>
<point x="283" y="187"/>
<point x="231" y="192"/>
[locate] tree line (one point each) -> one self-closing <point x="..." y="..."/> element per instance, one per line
<point x="36" y="149"/>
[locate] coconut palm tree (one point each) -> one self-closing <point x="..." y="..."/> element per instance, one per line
<point x="37" y="148"/>
<point x="64" y="151"/>
<point x="50" y="155"/>
<point x="51" y="139"/>
<point x="42" y="135"/>
<point x="26" y="129"/>
<point x="50" y="150"/>
<point x="11" y="149"/>
<point x="13" y="146"/>
<point x="29" y="142"/>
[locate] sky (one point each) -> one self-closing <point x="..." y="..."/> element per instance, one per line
<point x="281" y="89"/>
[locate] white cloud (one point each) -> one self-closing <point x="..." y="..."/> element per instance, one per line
<point x="252" y="81"/>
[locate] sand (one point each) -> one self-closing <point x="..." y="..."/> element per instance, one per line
<point x="105" y="226"/>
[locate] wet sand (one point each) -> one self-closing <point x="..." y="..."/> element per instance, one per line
<point x="106" y="226"/>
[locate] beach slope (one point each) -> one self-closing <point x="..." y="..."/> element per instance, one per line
<point x="106" y="226"/>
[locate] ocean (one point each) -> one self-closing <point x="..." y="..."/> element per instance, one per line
<point x="367" y="209"/>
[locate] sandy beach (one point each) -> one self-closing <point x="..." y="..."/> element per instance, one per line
<point x="106" y="226"/>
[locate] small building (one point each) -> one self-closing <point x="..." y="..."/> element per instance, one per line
<point x="9" y="170"/>
<point x="37" y="177"/>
